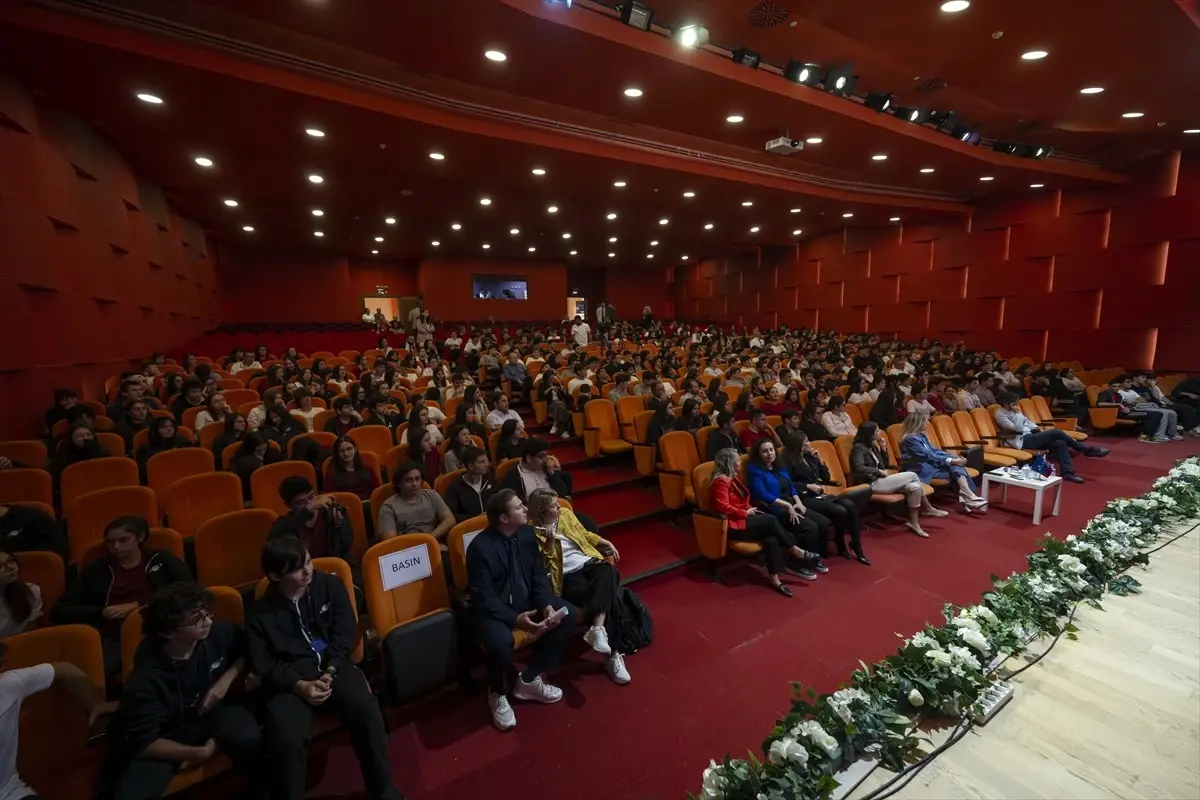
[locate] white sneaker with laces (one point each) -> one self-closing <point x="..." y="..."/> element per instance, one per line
<point x="615" y="666"/>
<point x="537" y="689"/>
<point x="565" y="434"/>
<point x="502" y="713"/>
<point x="597" y="639"/>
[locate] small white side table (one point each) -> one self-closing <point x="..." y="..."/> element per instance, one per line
<point x="1039" y="489"/>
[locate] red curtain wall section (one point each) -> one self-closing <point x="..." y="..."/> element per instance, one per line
<point x="1107" y="277"/>
<point x="95" y="269"/>
<point x="447" y="289"/>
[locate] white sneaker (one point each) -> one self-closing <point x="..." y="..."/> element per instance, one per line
<point x="537" y="690"/>
<point x="502" y="713"/>
<point x="565" y="434"/>
<point x="554" y="430"/>
<point x="597" y="638"/>
<point x="615" y="666"/>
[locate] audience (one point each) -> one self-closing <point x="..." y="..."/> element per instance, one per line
<point x="502" y="413"/>
<point x="870" y="464"/>
<point x="771" y="489"/>
<point x="928" y="462"/>
<point x="413" y="508"/>
<point x="1019" y="432"/>
<point x="836" y="512"/>
<point x="20" y="601"/>
<point x="724" y="437"/>
<point x="318" y="521"/>
<point x="467" y="496"/>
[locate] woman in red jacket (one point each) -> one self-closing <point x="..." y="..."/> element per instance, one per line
<point x="731" y="498"/>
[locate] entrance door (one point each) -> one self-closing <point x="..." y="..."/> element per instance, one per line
<point x="576" y="305"/>
<point x="387" y="305"/>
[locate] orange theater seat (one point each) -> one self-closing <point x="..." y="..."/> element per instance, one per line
<point x="712" y="529"/>
<point x="47" y="570"/>
<point x="969" y="434"/>
<point x="602" y="434"/>
<point x="325" y="440"/>
<point x="159" y="539"/>
<point x="98" y="473"/>
<point x="679" y="461"/>
<point x="25" y="453"/>
<point x="164" y="468"/>
<point x="192" y="500"/>
<point x="228" y="547"/>
<point x="375" y="439"/>
<point x="457" y="541"/>
<point x="34" y="485"/>
<point x="92" y="512"/>
<point x="265" y="482"/>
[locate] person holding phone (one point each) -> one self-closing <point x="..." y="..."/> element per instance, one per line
<point x="510" y="590"/>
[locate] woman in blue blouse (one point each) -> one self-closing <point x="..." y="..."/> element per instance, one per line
<point x="920" y="456"/>
<point x="771" y="489"/>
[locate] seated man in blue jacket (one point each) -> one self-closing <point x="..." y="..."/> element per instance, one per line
<point x="174" y="707"/>
<point x="510" y="589"/>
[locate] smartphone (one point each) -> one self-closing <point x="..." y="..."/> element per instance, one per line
<point x="556" y="616"/>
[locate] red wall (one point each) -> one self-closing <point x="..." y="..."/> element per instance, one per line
<point x="95" y="269"/>
<point x="446" y="287"/>
<point x="632" y="288"/>
<point x="1106" y="277"/>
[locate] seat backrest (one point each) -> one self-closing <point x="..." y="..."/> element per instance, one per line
<point x="702" y="480"/>
<point x="375" y="439"/>
<point x="1029" y="409"/>
<point x="492" y="445"/>
<point x="227" y="607"/>
<point x="26" y="484"/>
<point x="358" y="522"/>
<point x="844" y="445"/>
<point x="403" y="580"/>
<point x="966" y="427"/>
<point x="1043" y="409"/>
<point x="159" y="539"/>
<point x="47" y="570"/>
<point x="1093" y="395"/>
<point x="894" y="434"/>
<point x="378" y="498"/>
<point x="370" y="463"/>
<point x="229" y="546"/>
<point x="503" y="468"/>
<point x="947" y="434"/>
<point x="443" y="481"/>
<point x="641" y="426"/>
<point x="829" y="457"/>
<point x="983" y="422"/>
<point x="265" y="481"/>
<point x="855" y="414"/>
<point x="189" y="416"/>
<point x="457" y="542"/>
<point x="166" y="467"/>
<point x="91" y="513"/>
<point x="322" y="438"/>
<point x="602" y="415"/>
<point x="96" y="473"/>
<point x="27" y="453"/>
<point x="113" y="443"/>
<point x="629" y="407"/>
<point x="678" y="452"/>
<point x="235" y="397"/>
<point x="702" y="440"/>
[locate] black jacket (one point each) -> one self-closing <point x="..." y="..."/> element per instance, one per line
<point x="867" y="464"/>
<point x="341" y="535"/>
<point x="86" y="598"/>
<point x="489" y="579"/>
<point x="465" y="502"/>
<point x="560" y="482"/>
<point x="161" y="699"/>
<point x="279" y="650"/>
<point x="720" y="440"/>
<point x="23" y="529"/>
<point x="807" y="469"/>
<point x="886" y="410"/>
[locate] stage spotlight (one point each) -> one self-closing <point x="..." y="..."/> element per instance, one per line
<point x="840" y="80"/>
<point x="802" y="73"/>
<point x="879" y="101"/>
<point x="943" y="120"/>
<point x="966" y="133"/>
<point x="1023" y="150"/>
<point x="691" y="35"/>
<point x="636" y="15"/>
<point x="916" y="116"/>
<point x="746" y="57"/>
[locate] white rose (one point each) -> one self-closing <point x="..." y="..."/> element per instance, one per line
<point x="777" y="752"/>
<point x="713" y="787"/>
<point x="915" y="698"/>
<point x="964" y="623"/>
<point x="795" y="753"/>
<point x="1072" y="538"/>
<point x="939" y="657"/>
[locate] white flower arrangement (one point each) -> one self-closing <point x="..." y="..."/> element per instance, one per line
<point x="714" y="782"/>
<point x="975" y="639"/>
<point x="813" y="732"/>
<point x="842" y="700"/>
<point x="922" y="639"/>
<point x="787" y="751"/>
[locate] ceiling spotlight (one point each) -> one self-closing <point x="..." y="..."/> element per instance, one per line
<point x="840" y="81"/>
<point x="495" y="55"/>
<point x="654" y="243"/>
<point x="389" y="220"/>
<point x="663" y="221"/>
<point x="612" y="240"/>
<point x="454" y="226"/>
<point x="987" y="178"/>
<point x="1192" y="130"/>
<point x="689" y="194"/>
<point x="437" y="156"/>
<point x="683" y="257"/>
<point x="248" y="228"/>
<point x="1037" y="186"/>
<point x="746" y="57"/>
<point x="954" y="6"/>
<point x="619" y="184"/>
<point x="916" y="116"/>
<point x="1034" y="55"/>
<point x="611" y="215"/>
<point x="633" y="91"/>
<point x="316" y="212"/>
<point x="691" y="35"/>
<point x="708" y="226"/>
<point x="379" y="238"/>
<point x="435" y="243"/>
<point x="795" y="211"/>
<point x="847" y="215"/>
<point x="315" y="179"/>
<point x="539" y="171"/>
<point x="487" y="246"/>
<point x="1091" y="90"/>
<point x="566" y="236"/>
<point x="1126" y="115"/>
<point x="374" y="252"/>
<point x="515" y="231"/>
<point x="316" y="133"/>
<point x="734" y="119"/>
<point x="879" y="157"/>
<point x="485" y="201"/>
<point x="573" y="253"/>
<point x="755" y="229"/>
<point x="552" y="210"/>
<point x="814" y="140"/>
<point x="636" y="15"/>
<point x="801" y="73"/>
<point x="649" y="255"/>
<point x="797" y="232"/>
<point x="231" y="203"/>
<point x="533" y="249"/>
<point x="612" y="255"/>
<point x="207" y="162"/>
<point x="747" y="203"/>
<point x="942" y="120"/>
<point x="879" y="101"/>
<point x="318" y="234"/>
<point x="152" y="99"/>
<point x="965" y="133"/>
<point x="893" y="219"/>
<point x="926" y="170"/>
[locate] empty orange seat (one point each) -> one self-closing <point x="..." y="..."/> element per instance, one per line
<point x="679" y="461"/>
<point x="98" y="473"/>
<point x="229" y="546"/>
<point x="25" y="453"/>
<point x="27" y="484"/>
<point x="602" y="434"/>
<point x="411" y="601"/>
<point x="169" y="466"/>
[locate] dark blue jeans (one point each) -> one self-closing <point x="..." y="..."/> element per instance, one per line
<point x="1058" y="444"/>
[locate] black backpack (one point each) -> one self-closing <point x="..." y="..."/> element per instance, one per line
<point x="637" y="627"/>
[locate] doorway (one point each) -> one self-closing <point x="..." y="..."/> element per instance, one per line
<point x="388" y="305"/>
<point x="576" y="305"/>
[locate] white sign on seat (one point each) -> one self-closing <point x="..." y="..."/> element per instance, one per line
<point x="405" y="566"/>
<point x="470" y="537"/>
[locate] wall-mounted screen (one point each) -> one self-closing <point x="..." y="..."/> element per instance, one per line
<point x="499" y="287"/>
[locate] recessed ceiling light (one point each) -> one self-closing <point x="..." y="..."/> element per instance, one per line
<point x="847" y="215"/>
<point x="437" y="156"/>
<point x="654" y="243"/>
<point x="797" y="232"/>
<point x="633" y="91"/>
<point x="495" y="55"/>
<point x="152" y="99"/>
<point x="794" y="211"/>
<point x="487" y="246"/>
<point x="649" y="255"/>
<point x="231" y="203"/>
<point x="755" y="229"/>
<point x="533" y="249"/>
<point x="619" y="184"/>
<point x="611" y="215"/>
<point x="689" y="194"/>
<point x="552" y="210"/>
<point x="814" y="140"/>
<point x="315" y="179"/>
<point x="1133" y="114"/>
<point x="379" y="238"/>
<point x="893" y="219"/>
<point x="566" y="236"/>
<point x="926" y="170"/>
<point x="318" y="234"/>
<point x="747" y="203"/>
<point x="539" y="171"/>
<point x="954" y="6"/>
<point x="987" y="178"/>
<point x="454" y="226"/>
<point x="485" y="201"/>
<point x="389" y="220"/>
<point x="663" y="221"/>
<point x="1091" y="90"/>
<point x="374" y="252"/>
<point x="248" y="228"/>
<point x="435" y="243"/>
<point x="612" y="240"/>
<point x="574" y="253"/>
<point x="316" y="133"/>
<point x="683" y="257"/>
<point x="1034" y="55"/>
<point x="1192" y="130"/>
<point x="708" y="226"/>
<point x="1037" y="186"/>
<point x="612" y="255"/>
<point x="316" y="212"/>
<point x="515" y="231"/>
<point x="203" y="161"/>
<point x="735" y="119"/>
<point x="879" y="157"/>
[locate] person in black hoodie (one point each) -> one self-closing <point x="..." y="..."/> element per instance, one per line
<point x="78" y="445"/>
<point x="23" y="529"/>
<point x="889" y="405"/>
<point x="319" y="522"/>
<point x="468" y="495"/>
<point x="135" y="418"/>
<point x="301" y="633"/>
<point x="163" y="436"/>
<point x="110" y="589"/>
<point x="175" y="706"/>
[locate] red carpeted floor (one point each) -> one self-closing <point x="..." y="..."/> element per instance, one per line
<point x="723" y="656"/>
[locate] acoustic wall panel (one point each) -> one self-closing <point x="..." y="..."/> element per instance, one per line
<point x="800" y="318"/>
<point x="940" y="229"/>
<point x="1175" y="348"/>
<point x="700" y="288"/>
<point x="901" y="259"/>
<point x="1050" y="236"/>
<point x="871" y="291"/>
<point x="1149" y="306"/>
<point x="970" y="248"/>
<point x="727" y="284"/>
<point x="712" y="307"/>
<point x="800" y="273"/>
<point x="760" y="280"/>
<point x="1011" y="278"/>
<point x="1008" y="343"/>
<point x="1128" y="348"/>
<point x="742" y="303"/>
<point x="898" y="317"/>
<point x="859" y="240"/>
<point x="849" y="320"/>
<point x="778" y="299"/>
<point x="965" y="315"/>
<point x="1058" y="311"/>
<point x="709" y="268"/>
<point x="820" y="295"/>
<point x="945" y="284"/>
<point x="1112" y="268"/>
<point x="847" y="267"/>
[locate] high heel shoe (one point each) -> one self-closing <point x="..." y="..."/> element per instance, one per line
<point x="860" y="558"/>
<point x="782" y="589"/>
